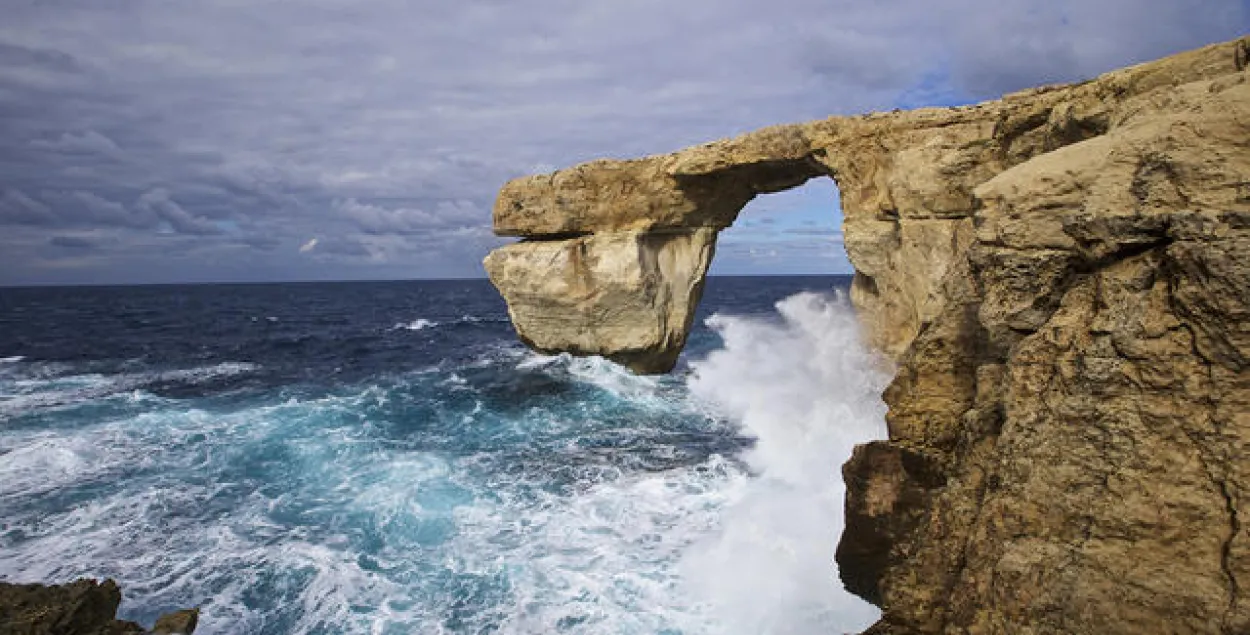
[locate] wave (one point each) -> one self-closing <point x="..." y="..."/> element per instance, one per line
<point x="421" y="324"/>
<point x="12" y="360"/>
<point x="309" y="524"/>
<point x="808" y="391"/>
<point x="27" y="394"/>
<point x="418" y="324"/>
<point x="473" y="319"/>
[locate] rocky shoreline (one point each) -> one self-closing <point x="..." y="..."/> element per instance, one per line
<point x="82" y="607"/>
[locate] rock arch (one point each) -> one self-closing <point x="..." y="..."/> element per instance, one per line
<point x="615" y="252"/>
<point x="1063" y="277"/>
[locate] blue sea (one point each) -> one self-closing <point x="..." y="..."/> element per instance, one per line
<point x="385" y="457"/>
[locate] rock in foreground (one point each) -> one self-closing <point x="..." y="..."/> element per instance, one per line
<point x="83" y="607"/>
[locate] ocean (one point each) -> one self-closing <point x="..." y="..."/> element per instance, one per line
<point x="385" y="457"/>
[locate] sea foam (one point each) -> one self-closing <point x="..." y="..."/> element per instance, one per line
<point x="808" y="391"/>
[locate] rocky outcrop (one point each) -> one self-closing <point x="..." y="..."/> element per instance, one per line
<point x="1063" y="277"/>
<point x="83" y="607"/>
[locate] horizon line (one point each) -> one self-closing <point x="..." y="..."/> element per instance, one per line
<point x="74" y="285"/>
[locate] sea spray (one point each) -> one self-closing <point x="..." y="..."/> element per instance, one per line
<point x="808" y="391"/>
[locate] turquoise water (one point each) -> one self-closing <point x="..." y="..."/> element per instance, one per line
<point x="385" y="458"/>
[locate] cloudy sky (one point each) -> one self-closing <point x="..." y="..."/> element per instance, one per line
<point x="215" y="140"/>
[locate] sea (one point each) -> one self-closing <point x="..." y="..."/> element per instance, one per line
<point x="387" y="458"/>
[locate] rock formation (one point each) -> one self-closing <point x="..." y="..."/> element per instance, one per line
<point x="1063" y="277"/>
<point x="82" y="607"/>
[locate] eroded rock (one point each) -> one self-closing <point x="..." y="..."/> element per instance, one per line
<point x="1063" y="278"/>
<point x="82" y="607"/>
<point x="627" y="295"/>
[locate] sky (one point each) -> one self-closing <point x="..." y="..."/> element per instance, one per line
<point x="156" y="141"/>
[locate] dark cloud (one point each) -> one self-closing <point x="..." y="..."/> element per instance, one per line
<point x="19" y="57"/>
<point x="159" y="203"/>
<point x="376" y="218"/>
<point x="71" y="242"/>
<point x="336" y="246"/>
<point x="18" y="208"/>
<point x="211" y="140"/>
<point x="1014" y="44"/>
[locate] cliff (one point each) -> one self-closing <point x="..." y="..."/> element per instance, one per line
<point x="1063" y="277"/>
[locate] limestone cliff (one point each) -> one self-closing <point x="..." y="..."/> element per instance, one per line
<point x="1063" y="277"/>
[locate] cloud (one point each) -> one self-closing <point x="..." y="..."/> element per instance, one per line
<point x="89" y="142"/>
<point x="160" y="203"/>
<point x="343" y="246"/>
<point x="18" y="208"/>
<point x="72" y="242"/>
<point x="378" y="219"/>
<point x="20" y="57"/>
<point x="393" y="124"/>
<point x="308" y="246"/>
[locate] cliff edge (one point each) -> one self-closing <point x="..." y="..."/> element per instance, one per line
<point x="1063" y="277"/>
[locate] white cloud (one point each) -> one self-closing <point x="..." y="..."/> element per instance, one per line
<point x="308" y="246"/>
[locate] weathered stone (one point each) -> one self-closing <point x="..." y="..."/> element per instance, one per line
<point x="629" y="296"/>
<point x="82" y="607"/>
<point x="1063" y="278"/>
<point x="177" y="623"/>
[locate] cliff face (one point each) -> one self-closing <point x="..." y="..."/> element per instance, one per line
<point x="1063" y="277"/>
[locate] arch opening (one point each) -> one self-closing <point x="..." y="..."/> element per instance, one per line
<point x="796" y="231"/>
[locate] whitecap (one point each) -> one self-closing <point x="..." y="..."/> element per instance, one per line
<point x="12" y="360"/>
<point x="23" y="396"/>
<point x="614" y="378"/>
<point x="205" y="373"/>
<point x="416" y="325"/>
<point x="537" y="361"/>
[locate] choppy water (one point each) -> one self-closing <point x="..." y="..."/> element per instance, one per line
<point x="385" y="458"/>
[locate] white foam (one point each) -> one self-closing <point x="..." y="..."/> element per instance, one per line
<point x="808" y="391"/>
<point x="536" y="361"/>
<point x="204" y="373"/>
<point x="613" y="378"/>
<point x="12" y="360"/>
<point x="605" y="559"/>
<point x="46" y="463"/>
<point x="418" y="324"/>
<point x="24" y="395"/>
